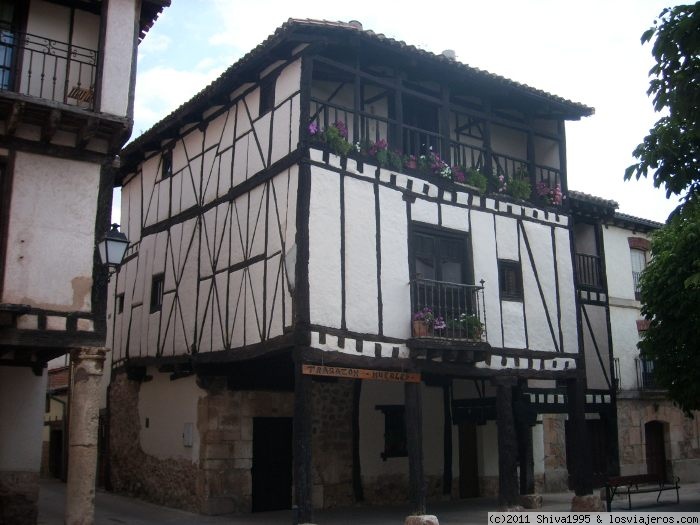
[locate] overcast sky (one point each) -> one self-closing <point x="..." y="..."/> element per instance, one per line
<point x="588" y="52"/>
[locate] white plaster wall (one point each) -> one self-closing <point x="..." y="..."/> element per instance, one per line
<point x="538" y="447"/>
<point x="372" y="429"/>
<point x="595" y="370"/>
<point x="120" y="27"/>
<point x="584" y="235"/>
<point x="618" y="262"/>
<point x="546" y="152"/>
<point x="324" y="249"/>
<point x="485" y="267"/>
<point x="487" y="448"/>
<point x="396" y="292"/>
<point x="360" y="257"/>
<point x="51" y="233"/>
<point x="168" y="405"/>
<point x="623" y="322"/>
<point x="21" y="422"/>
<point x="509" y="141"/>
<point x="539" y="334"/>
<point x="567" y="291"/>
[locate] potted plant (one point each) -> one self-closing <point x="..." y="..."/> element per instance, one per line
<point x="335" y="137"/>
<point x="425" y="322"/>
<point x="467" y="325"/>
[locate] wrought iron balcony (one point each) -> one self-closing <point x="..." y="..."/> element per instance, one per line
<point x="444" y="310"/>
<point x="588" y="271"/>
<point x="645" y="375"/>
<point x="40" y="67"/>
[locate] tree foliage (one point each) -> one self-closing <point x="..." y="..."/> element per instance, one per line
<point x="671" y="301"/>
<point x="670" y="285"/>
<point x="672" y="148"/>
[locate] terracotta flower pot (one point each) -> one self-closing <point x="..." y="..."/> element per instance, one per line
<point x="420" y="329"/>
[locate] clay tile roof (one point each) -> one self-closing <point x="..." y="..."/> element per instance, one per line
<point x="592" y="199"/>
<point x="202" y="100"/>
<point x="150" y="10"/>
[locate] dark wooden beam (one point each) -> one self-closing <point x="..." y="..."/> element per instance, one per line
<point x="507" y="445"/>
<point x="356" y="463"/>
<point x="50" y="127"/>
<point x="15" y="117"/>
<point x="582" y="475"/>
<point x="87" y="132"/>
<point x="303" y="474"/>
<point x="447" y="439"/>
<point x="414" y="446"/>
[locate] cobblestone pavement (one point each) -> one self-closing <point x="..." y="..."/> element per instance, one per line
<point x="114" y="509"/>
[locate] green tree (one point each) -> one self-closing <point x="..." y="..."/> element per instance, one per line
<point x="670" y="285"/>
<point x="672" y="148"/>
<point x="671" y="301"/>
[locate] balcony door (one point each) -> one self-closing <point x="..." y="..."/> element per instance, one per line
<point x="440" y="256"/>
<point x="7" y="42"/>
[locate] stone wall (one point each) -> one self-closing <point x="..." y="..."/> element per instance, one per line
<point x="555" y="473"/>
<point x="170" y="482"/>
<point x="225" y="425"/>
<point x="331" y="443"/>
<point x="19" y="494"/>
<point x="682" y="437"/>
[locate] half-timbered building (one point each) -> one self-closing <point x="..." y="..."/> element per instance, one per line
<point x="352" y="266"/>
<point x="67" y="71"/>
<point x="644" y="432"/>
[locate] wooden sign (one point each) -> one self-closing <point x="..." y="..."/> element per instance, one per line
<point x="360" y="373"/>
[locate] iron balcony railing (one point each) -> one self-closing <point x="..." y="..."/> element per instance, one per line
<point x="48" y="69"/>
<point x="645" y="374"/>
<point x="588" y="271"/>
<point x="616" y="374"/>
<point x="448" y="310"/>
<point x="636" y="276"/>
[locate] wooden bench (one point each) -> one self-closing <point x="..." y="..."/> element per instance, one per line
<point x="638" y="484"/>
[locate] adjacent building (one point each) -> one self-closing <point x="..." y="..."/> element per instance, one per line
<point x="67" y="71"/>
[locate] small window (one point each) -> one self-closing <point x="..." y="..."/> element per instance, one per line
<point x="267" y="94"/>
<point x="120" y="303"/>
<point x="166" y="169"/>
<point x="394" y="431"/>
<point x="157" y="288"/>
<point x="510" y="280"/>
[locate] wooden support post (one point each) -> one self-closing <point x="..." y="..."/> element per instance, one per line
<point x="582" y="475"/>
<point x="447" y="439"/>
<point x="507" y="445"/>
<point x="527" y="460"/>
<point x="303" y="476"/>
<point x="414" y="444"/>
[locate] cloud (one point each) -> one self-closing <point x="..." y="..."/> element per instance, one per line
<point x="160" y="90"/>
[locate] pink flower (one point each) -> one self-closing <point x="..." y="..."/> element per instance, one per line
<point x="313" y="128"/>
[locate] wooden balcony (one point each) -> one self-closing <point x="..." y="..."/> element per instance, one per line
<point x="588" y="272"/>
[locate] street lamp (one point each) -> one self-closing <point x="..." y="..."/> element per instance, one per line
<point x="112" y="247"/>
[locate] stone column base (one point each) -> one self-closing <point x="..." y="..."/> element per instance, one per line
<point x="587" y="503"/>
<point x="425" y="519"/>
<point x="531" y="501"/>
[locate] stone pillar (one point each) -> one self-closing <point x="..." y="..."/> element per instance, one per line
<point x="82" y="445"/>
<point x="507" y="445"/>
<point x="414" y="446"/>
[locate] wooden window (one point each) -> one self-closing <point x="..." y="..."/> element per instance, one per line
<point x="166" y="168"/>
<point x="394" y="431"/>
<point x="510" y="280"/>
<point x="120" y="303"/>
<point x="157" y="288"/>
<point x="267" y="94"/>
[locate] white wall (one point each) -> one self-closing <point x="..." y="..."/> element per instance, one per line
<point x="51" y="235"/>
<point x="618" y="262"/>
<point x="21" y="422"/>
<point x="168" y="406"/>
<point x="120" y="28"/>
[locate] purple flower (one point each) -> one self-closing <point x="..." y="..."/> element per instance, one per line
<point x="313" y="128"/>
<point x="342" y="128"/>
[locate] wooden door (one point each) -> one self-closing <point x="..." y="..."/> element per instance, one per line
<point x="272" y="463"/>
<point x="468" y="461"/>
<point x="655" y="448"/>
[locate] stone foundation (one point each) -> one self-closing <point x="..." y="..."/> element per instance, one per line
<point x="170" y="482"/>
<point x="19" y="494"/>
<point x="556" y="475"/>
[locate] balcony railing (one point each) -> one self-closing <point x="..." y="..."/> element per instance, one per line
<point x="636" y="276"/>
<point x="411" y="140"/>
<point x="645" y="374"/>
<point x="40" y="67"/>
<point x="588" y="271"/>
<point x="448" y="310"/>
<point x="616" y="374"/>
